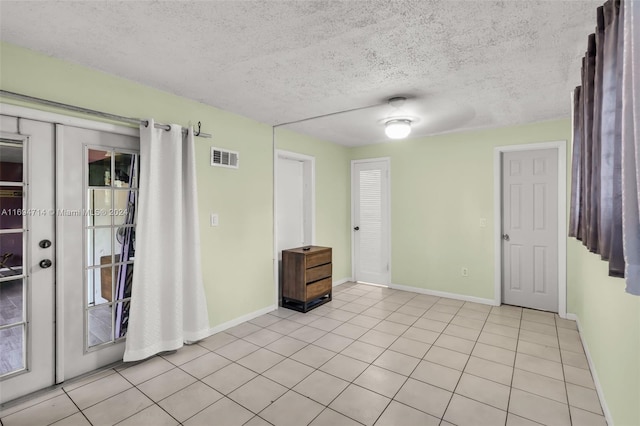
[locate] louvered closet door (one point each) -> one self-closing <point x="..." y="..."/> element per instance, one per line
<point x="371" y="221"/>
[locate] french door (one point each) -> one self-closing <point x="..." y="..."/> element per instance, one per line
<point x="370" y="208"/>
<point x="67" y="248"/>
<point x="27" y="256"/>
<point x="98" y="177"/>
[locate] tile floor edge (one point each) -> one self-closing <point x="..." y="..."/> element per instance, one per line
<point x="592" y="368"/>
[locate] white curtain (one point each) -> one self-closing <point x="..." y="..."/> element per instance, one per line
<point x="168" y="305"/>
<point x="631" y="145"/>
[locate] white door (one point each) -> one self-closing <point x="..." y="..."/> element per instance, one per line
<point x="96" y="197"/>
<point x="27" y="247"/>
<point x="370" y="195"/>
<point x="530" y="229"/>
<point x="290" y="202"/>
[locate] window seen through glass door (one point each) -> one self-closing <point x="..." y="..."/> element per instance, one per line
<point x="110" y="235"/>
<point x="13" y="281"/>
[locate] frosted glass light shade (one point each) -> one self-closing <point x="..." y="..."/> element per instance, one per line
<point x="397" y="129"/>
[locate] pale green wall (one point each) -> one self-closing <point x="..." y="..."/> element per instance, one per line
<point x="237" y="257"/>
<point x="441" y="186"/>
<point x="333" y="194"/>
<point x="610" y="325"/>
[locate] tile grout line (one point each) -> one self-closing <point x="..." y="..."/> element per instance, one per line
<point x="462" y="373"/>
<point x="444" y="412"/>
<point x="407" y="377"/>
<point x="564" y="378"/>
<point x="318" y="369"/>
<point x="267" y="378"/>
<point x="76" y="405"/>
<point x="154" y="402"/>
<point x="328" y="312"/>
<point x="370" y="364"/>
<point x="514" y="369"/>
<point x="352" y="381"/>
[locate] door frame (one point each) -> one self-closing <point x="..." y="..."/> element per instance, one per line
<point x="387" y="160"/>
<point x="56" y="118"/>
<point x="309" y="204"/>
<point x="561" y="147"/>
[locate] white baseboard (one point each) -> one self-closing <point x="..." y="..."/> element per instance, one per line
<point x="594" y="373"/>
<point x="240" y="320"/>
<point x="444" y="294"/>
<point x="342" y="281"/>
<point x="572" y="317"/>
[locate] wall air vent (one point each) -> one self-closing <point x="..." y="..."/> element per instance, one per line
<point x="224" y="158"/>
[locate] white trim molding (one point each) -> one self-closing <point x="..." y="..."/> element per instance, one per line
<point x="448" y="295"/>
<point x="592" y="367"/>
<point x="561" y="147"/>
<point x="342" y="281"/>
<point x="244" y="318"/>
<point x="309" y="177"/>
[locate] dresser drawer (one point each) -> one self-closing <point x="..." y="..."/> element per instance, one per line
<point x="320" y="258"/>
<point x="318" y="273"/>
<point x="318" y="288"/>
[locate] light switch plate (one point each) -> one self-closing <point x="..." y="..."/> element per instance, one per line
<point x="483" y="222"/>
<point x="214" y="219"/>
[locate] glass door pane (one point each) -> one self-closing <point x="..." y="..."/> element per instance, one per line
<point x="13" y="323"/>
<point x="111" y="188"/>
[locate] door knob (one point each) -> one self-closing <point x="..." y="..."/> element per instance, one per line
<point x="357" y="228"/>
<point x="505" y="237"/>
<point x="44" y="244"/>
<point x="45" y="263"/>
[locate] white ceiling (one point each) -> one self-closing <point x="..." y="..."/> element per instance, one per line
<point x="463" y="64"/>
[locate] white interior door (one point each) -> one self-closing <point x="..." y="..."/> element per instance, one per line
<point x="27" y="286"/>
<point x="98" y="186"/>
<point x="370" y="195"/>
<point x="530" y="229"/>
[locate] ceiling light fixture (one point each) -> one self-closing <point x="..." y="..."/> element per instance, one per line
<point x="397" y="128"/>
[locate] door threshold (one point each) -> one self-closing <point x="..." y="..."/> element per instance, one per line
<point x="36" y="394"/>
<point x="372" y="284"/>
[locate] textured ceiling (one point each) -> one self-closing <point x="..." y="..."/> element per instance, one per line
<point x="463" y="64"/>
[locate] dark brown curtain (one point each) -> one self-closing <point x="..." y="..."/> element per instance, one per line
<point x="588" y="81"/>
<point x="574" y="214"/>
<point x="593" y="242"/>
<point x="596" y="187"/>
<point x="608" y="126"/>
<point x="630" y="153"/>
<point x="616" y="251"/>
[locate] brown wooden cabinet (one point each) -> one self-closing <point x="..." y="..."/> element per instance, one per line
<point x="306" y="277"/>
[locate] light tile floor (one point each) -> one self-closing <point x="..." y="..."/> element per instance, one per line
<point x="371" y="356"/>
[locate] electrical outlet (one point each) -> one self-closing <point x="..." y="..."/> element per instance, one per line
<point x="465" y="271"/>
<point x="483" y="222"/>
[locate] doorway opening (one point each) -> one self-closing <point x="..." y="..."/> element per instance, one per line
<point x="294" y="215"/>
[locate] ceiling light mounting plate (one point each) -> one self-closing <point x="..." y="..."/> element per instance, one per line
<point x="397" y="101"/>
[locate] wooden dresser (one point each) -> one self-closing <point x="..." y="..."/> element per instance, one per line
<point x="306" y="277"/>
